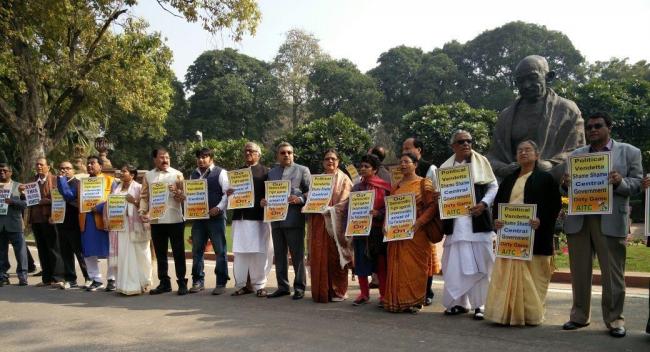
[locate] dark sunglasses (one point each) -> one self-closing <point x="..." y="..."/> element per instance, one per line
<point x="463" y="141"/>
<point x="595" y="126"/>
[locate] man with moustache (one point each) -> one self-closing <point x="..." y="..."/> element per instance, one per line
<point x="290" y="232"/>
<point x="11" y="227"/>
<point x="603" y="234"/>
<point x="94" y="238"/>
<point x="68" y="231"/>
<point x="44" y="232"/>
<point x="213" y="228"/>
<point x="170" y="227"/>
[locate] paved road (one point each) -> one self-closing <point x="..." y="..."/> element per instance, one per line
<point x="43" y="319"/>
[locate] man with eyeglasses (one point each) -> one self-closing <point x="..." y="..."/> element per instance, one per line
<point x="11" y="227"/>
<point x="290" y="232"/>
<point x="603" y="234"/>
<point x="69" y="234"/>
<point x="540" y="115"/>
<point x="468" y="257"/>
<point x="251" y="239"/>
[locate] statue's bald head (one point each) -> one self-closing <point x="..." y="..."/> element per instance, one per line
<point x="530" y="64"/>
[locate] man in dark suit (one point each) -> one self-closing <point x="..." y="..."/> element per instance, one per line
<point x="603" y="234"/>
<point x="11" y="227"/>
<point x="290" y="232"/>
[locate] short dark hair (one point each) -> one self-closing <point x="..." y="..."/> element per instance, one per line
<point x="99" y="161"/>
<point x="332" y="151"/>
<point x="411" y="156"/>
<point x="418" y="143"/>
<point x="155" y="152"/>
<point x="601" y="115"/>
<point x="372" y="160"/>
<point x="379" y="152"/>
<point x="133" y="170"/>
<point x="7" y="166"/>
<point x="204" y="152"/>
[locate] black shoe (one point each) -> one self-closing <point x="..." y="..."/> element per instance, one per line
<point x="278" y="293"/>
<point x="572" y="325"/>
<point x="22" y="282"/>
<point x="110" y="286"/>
<point x="455" y="310"/>
<point x="647" y="327"/>
<point x="298" y="295"/>
<point x="617" y="332"/>
<point x="31" y="270"/>
<point x="162" y="288"/>
<point x="4" y="282"/>
<point x="182" y="287"/>
<point x="428" y="301"/>
<point x="96" y="285"/>
<point x="478" y="314"/>
<point x="40" y="273"/>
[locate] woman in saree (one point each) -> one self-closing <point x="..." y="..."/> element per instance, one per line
<point x="409" y="260"/>
<point x="133" y="255"/>
<point x="330" y="253"/>
<point x="518" y="287"/>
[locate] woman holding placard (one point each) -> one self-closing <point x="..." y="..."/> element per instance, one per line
<point x="370" y="251"/>
<point x="329" y="278"/>
<point x="133" y="257"/>
<point x="518" y="287"/>
<point x="408" y="260"/>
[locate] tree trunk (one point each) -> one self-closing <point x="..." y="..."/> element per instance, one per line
<point x="295" y="117"/>
<point x="30" y="147"/>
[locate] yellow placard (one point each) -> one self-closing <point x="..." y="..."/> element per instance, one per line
<point x="58" y="207"/>
<point x="196" y="199"/>
<point x="359" y="216"/>
<point x="158" y="194"/>
<point x="395" y="175"/>
<point x="400" y="217"/>
<point x="277" y="200"/>
<point x="116" y="211"/>
<point x="320" y="193"/>
<point x="515" y="240"/>
<point x="590" y="191"/>
<point x="241" y="181"/>
<point x="91" y="193"/>
<point x="456" y="189"/>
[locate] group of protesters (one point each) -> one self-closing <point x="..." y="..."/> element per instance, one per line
<point x="502" y="290"/>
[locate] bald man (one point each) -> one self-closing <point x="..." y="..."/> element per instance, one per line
<point x="540" y="115"/>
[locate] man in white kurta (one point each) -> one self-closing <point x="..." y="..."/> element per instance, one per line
<point x="251" y="240"/>
<point x="468" y="256"/>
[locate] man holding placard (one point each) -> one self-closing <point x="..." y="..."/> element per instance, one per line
<point x="44" y="232"/>
<point x="601" y="229"/>
<point x="160" y="204"/>
<point x="11" y="227"/>
<point x="251" y="236"/>
<point x="468" y="256"/>
<point x="69" y="234"/>
<point x="290" y="233"/>
<point x="94" y="238"/>
<point x="213" y="227"/>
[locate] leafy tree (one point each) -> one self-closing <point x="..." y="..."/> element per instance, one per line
<point x="619" y="69"/>
<point x="338" y="86"/>
<point x="490" y="58"/>
<point x="434" y="125"/>
<point x="235" y="95"/>
<point x="228" y="154"/>
<point x="338" y="131"/>
<point x="436" y="80"/>
<point x="61" y="62"/>
<point x="292" y="66"/>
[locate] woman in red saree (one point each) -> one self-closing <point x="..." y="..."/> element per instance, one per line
<point x="330" y="253"/>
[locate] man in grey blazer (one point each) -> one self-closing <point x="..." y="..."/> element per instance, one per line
<point x="11" y="227"/>
<point x="290" y="232"/>
<point x="603" y="234"/>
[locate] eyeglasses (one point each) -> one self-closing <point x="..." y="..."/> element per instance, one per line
<point x="250" y="151"/>
<point x="6" y="171"/>
<point x="65" y="168"/>
<point x="463" y="141"/>
<point x="595" y="126"/>
<point x="525" y="151"/>
<point x="330" y="159"/>
<point x="286" y="152"/>
<point x="405" y="162"/>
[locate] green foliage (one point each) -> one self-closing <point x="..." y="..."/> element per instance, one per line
<point x="434" y="125"/>
<point x="338" y="86"/>
<point x="338" y="131"/>
<point x="228" y="154"/>
<point x="235" y="95"/>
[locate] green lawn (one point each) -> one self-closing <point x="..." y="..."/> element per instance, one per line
<point x="638" y="259"/>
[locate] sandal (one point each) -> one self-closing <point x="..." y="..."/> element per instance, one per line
<point x="261" y="293"/>
<point x="455" y="310"/>
<point x="242" y="291"/>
